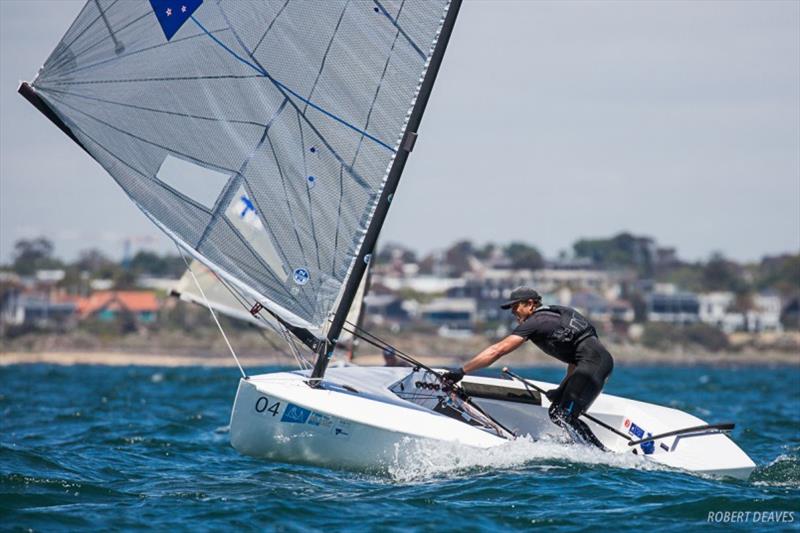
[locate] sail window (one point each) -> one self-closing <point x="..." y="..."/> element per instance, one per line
<point x="199" y="183"/>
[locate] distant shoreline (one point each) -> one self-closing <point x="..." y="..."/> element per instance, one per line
<point x="624" y="356"/>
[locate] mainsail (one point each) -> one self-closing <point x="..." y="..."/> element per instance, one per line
<point x="266" y="138"/>
<point x="200" y="285"/>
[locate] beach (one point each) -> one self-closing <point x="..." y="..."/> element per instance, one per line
<point x="527" y="356"/>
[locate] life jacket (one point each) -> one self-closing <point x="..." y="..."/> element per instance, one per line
<point x="572" y="329"/>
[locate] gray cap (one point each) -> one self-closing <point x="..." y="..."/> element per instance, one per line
<point x="521" y="294"/>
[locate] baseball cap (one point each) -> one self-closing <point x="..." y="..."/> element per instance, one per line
<point x="520" y="294"/>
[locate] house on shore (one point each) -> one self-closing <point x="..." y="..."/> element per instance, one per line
<point x="108" y="306"/>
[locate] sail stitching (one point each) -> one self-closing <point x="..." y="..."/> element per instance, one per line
<point x="266" y="74"/>
<point x="308" y="189"/>
<point x="152" y="109"/>
<point x="369" y="116"/>
<point x="399" y="29"/>
<point x="80" y="34"/>
<point x="139" y="51"/>
<point x="147" y="141"/>
<point x="194" y="204"/>
<point x="234" y="181"/>
<point x="270" y="26"/>
<point x="63" y="61"/>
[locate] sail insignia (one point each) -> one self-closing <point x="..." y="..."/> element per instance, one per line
<point x="172" y="14"/>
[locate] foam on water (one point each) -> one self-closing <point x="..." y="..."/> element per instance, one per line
<point x="420" y="460"/>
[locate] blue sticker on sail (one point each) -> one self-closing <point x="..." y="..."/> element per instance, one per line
<point x="295" y="414"/>
<point x="172" y="14"/>
<point x="301" y="276"/>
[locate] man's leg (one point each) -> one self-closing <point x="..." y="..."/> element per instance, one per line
<point x="579" y="391"/>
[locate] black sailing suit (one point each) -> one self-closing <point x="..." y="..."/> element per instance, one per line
<point x="565" y="334"/>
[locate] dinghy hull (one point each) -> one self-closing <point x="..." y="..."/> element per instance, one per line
<point x="279" y="417"/>
<point x="357" y="421"/>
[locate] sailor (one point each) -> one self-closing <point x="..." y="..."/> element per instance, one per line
<point x="563" y="333"/>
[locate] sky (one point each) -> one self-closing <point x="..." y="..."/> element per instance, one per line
<point x="549" y="122"/>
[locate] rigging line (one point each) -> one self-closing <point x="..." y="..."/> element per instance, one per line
<point x="100" y="41"/>
<point x="80" y="34"/>
<point x="266" y="74"/>
<point x="396" y="25"/>
<point x="152" y="109"/>
<point x="325" y="55"/>
<point x="383" y="345"/>
<point x="254" y="276"/>
<point x="141" y="50"/>
<point x="457" y="389"/>
<point x="308" y="189"/>
<point x="270" y="26"/>
<point x="242" y="300"/>
<point x="301" y="361"/>
<point x="211" y="310"/>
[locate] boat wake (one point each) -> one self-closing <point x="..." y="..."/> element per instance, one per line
<point x="419" y="461"/>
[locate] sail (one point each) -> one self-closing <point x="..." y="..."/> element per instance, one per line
<point x="209" y="289"/>
<point x="261" y="136"/>
<point x="219" y="297"/>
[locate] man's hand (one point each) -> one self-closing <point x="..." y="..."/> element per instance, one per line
<point x="453" y="376"/>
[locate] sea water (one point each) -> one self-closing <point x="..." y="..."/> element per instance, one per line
<point x="147" y="448"/>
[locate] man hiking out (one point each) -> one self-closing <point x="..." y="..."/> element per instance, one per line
<point x="565" y="334"/>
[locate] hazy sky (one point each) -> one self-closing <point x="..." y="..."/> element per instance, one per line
<point x="550" y="121"/>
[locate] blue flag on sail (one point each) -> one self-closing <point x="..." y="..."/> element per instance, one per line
<point x="172" y="14"/>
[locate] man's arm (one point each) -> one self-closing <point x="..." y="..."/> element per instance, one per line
<point x="570" y="370"/>
<point x="493" y="353"/>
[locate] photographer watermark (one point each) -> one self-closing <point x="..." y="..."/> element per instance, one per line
<point x="754" y="517"/>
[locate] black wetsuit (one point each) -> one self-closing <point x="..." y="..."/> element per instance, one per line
<point x="568" y="336"/>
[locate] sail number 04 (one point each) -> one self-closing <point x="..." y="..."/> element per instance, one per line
<point x="262" y="404"/>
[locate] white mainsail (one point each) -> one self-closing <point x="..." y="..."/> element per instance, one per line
<point x="200" y="285"/>
<point x="265" y="138"/>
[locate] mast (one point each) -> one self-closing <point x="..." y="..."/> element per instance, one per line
<point x="378" y="218"/>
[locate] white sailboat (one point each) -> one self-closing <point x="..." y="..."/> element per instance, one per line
<point x="267" y="140"/>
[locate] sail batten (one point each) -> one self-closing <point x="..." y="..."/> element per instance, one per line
<point x="258" y="135"/>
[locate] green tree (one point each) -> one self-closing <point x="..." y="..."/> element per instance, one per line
<point x="622" y="250"/>
<point x="31" y="255"/>
<point x="96" y="264"/>
<point x="524" y="256"/>
<point x="458" y="257"/>
<point x="781" y="274"/>
<point x="150" y="263"/>
<point x="720" y="274"/>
